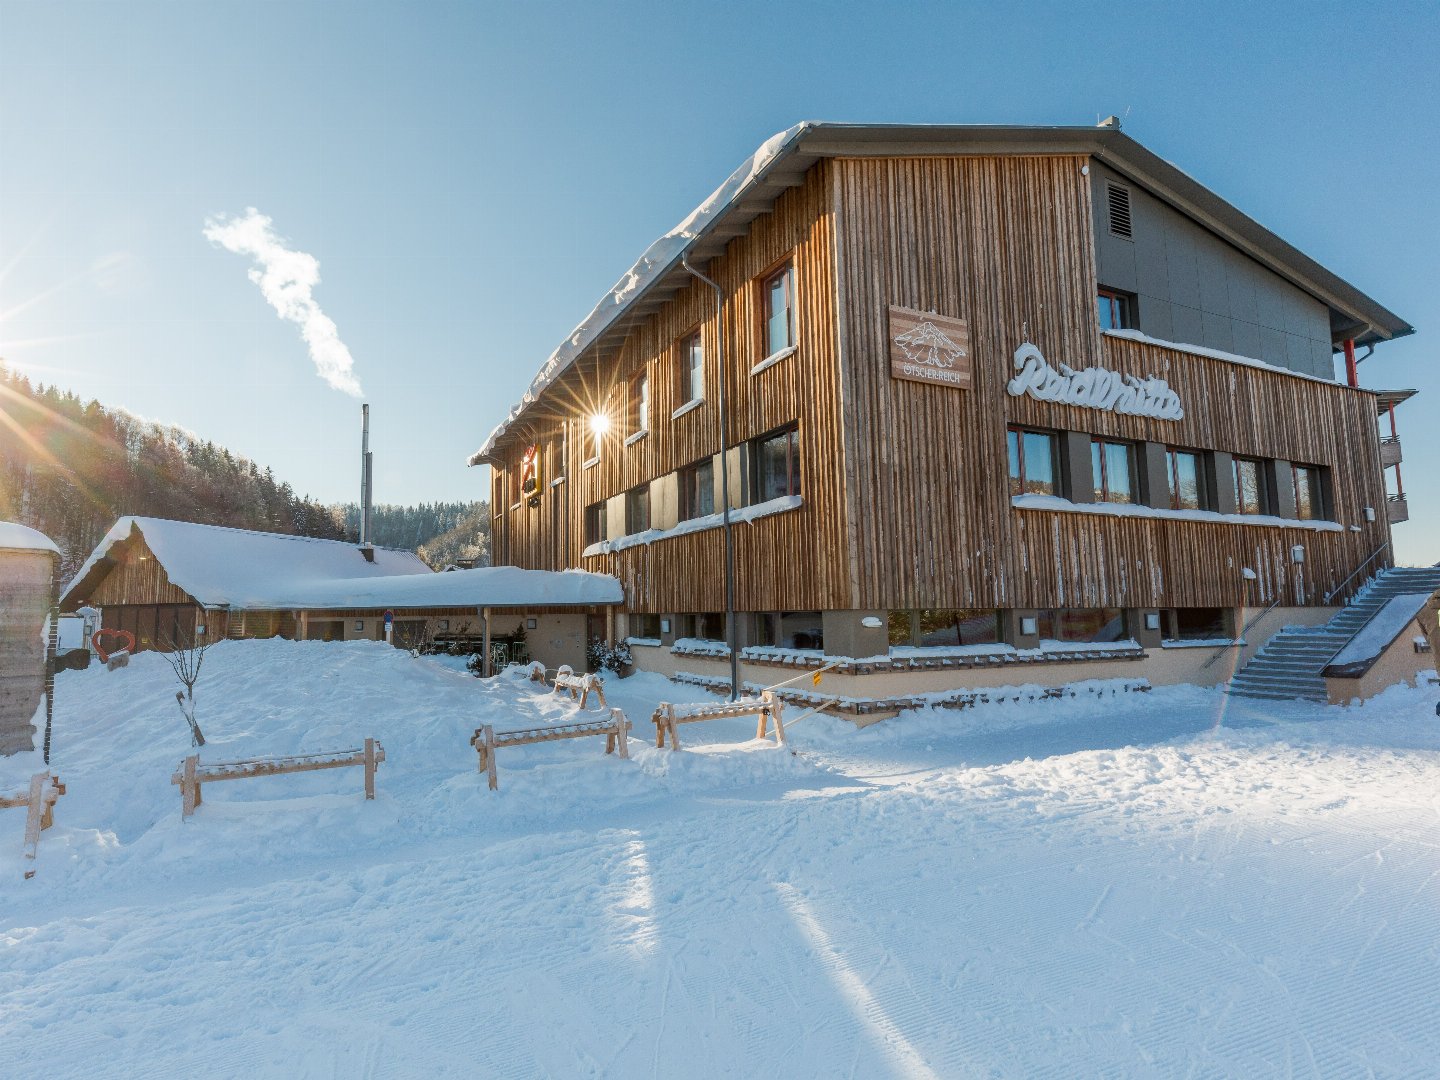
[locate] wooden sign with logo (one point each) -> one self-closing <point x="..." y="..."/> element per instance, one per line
<point x="929" y="348"/>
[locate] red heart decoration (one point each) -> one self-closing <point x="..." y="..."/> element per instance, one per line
<point x="124" y="636"/>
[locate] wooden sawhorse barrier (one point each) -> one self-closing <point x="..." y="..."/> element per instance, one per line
<point x="487" y="740"/>
<point x="767" y="707"/>
<point x="579" y="686"/>
<point x="39" y="800"/>
<point x="192" y="774"/>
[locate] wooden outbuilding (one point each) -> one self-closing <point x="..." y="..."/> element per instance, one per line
<point x="28" y="562"/>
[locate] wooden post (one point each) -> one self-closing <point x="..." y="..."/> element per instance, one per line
<point x="670" y="723"/>
<point x="32" y="819"/>
<point x="620" y="734"/>
<point x="189" y="787"/>
<point x="778" y="708"/>
<point x="485" y="643"/>
<point x="494" y="780"/>
<point x="763" y="722"/>
<point x="369" y="768"/>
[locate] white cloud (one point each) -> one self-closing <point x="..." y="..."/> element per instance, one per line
<point x="285" y="278"/>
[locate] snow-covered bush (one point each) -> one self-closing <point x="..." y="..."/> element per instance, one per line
<point x="604" y="656"/>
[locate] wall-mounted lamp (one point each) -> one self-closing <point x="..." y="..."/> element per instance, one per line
<point x="1247" y="573"/>
<point x="1369" y="513"/>
<point x="1297" y="554"/>
<point x="871" y="622"/>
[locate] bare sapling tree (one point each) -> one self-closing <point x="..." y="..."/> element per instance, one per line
<point x="186" y="659"/>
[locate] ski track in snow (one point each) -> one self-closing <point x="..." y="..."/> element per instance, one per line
<point x="1111" y="887"/>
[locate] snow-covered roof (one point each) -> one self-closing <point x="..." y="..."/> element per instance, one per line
<point x="17" y="537"/>
<point x="1377" y="635"/>
<point x="225" y="567"/>
<point x="783" y="160"/>
<point x="484" y="586"/>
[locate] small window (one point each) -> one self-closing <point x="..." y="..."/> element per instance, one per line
<point x="1118" y="200"/>
<point x="1115" y="309"/>
<point x="1096" y="625"/>
<point x="596" y="522"/>
<point x="800" y="630"/>
<point x="697" y="490"/>
<point x="779" y="294"/>
<point x="1250" y="494"/>
<point x="692" y="369"/>
<point x="775" y="464"/>
<point x="958" y="626"/>
<point x="1112" y="465"/>
<point x="1186" y="472"/>
<point x="1034" y="462"/>
<point x="1194" y="624"/>
<point x="708" y="625"/>
<point x="637" y="509"/>
<point x="1309" y="493"/>
<point x="640" y="404"/>
<point x="645" y="626"/>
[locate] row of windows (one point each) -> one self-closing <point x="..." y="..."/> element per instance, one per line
<point x="1114" y="474"/>
<point x="777" y="295"/>
<point x="773" y="466"/>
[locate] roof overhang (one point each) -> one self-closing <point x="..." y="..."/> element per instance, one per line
<point x="783" y="162"/>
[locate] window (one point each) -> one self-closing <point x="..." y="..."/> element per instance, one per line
<point x="779" y="294"/>
<point x="1309" y="493"/>
<point x="1033" y="462"/>
<point x="1082" y="624"/>
<point x="697" y="490"/>
<point x="1186" y="473"/>
<point x="637" y="509"/>
<point x="1112" y="465"/>
<point x="775" y="464"/>
<point x="640" y="404"/>
<point x="692" y="369"/>
<point x="1115" y="310"/>
<point x="1194" y="624"/>
<point x="1250" y="494"/>
<point x="596" y="522"/>
<point x="594" y="435"/>
<point x="958" y="626"/>
<point x="645" y="626"/>
<point x="708" y="625"/>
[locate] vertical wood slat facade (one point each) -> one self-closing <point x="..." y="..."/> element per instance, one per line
<point x="906" y="499"/>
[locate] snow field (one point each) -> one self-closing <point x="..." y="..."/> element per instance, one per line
<point x="1092" y="887"/>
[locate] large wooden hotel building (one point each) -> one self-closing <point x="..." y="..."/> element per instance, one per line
<point x="991" y="394"/>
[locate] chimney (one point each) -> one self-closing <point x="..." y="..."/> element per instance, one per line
<point x="367" y="547"/>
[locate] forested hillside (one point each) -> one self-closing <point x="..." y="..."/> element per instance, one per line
<point x="464" y="525"/>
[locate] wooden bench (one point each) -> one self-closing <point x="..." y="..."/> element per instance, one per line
<point x="487" y="740"/>
<point x="39" y="800"/>
<point x="767" y="707"/>
<point x="192" y="774"/>
<point x="579" y="686"/>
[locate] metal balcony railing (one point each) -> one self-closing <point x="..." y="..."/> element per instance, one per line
<point x="1390" y="451"/>
<point x="1396" y="509"/>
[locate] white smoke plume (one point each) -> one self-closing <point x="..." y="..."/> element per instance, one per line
<point x="285" y="278"/>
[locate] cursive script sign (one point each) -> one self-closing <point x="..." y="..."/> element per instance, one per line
<point x="929" y="348"/>
<point x="1092" y="388"/>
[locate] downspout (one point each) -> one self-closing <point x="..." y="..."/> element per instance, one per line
<point x="730" y="635"/>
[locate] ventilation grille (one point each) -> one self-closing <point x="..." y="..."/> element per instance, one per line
<point x="1119" y="211"/>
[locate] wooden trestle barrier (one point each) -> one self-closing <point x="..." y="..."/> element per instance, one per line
<point x="192" y="774"/>
<point x="579" y="686"/>
<point x="487" y="740"/>
<point x="39" y="801"/>
<point x="767" y="707"/>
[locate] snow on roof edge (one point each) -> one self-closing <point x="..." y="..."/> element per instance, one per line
<point x="17" y="537"/>
<point x="654" y="262"/>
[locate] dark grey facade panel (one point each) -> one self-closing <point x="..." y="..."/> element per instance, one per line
<point x="1194" y="288"/>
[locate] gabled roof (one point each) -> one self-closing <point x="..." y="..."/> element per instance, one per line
<point x="17" y="537"/>
<point x="783" y="160"/>
<point x="237" y="568"/>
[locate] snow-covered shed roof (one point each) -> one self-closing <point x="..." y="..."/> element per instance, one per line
<point x="484" y="586"/>
<point x="1359" y="654"/>
<point x="17" y="537"/>
<point x="782" y="161"/>
<point x="238" y="568"/>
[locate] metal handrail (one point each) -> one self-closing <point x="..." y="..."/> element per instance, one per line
<point x="1333" y="592"/>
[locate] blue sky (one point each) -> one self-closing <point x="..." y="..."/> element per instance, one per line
<point x="473" y="176"/>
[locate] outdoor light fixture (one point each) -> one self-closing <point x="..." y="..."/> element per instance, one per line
<point x="1297" y="554"/>
<point x="871" y="622"/>
<point x="599" y="423"/>
<point x="1247" y="573"/>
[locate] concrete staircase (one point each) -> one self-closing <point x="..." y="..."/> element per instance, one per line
<point x="1289" y="665"/>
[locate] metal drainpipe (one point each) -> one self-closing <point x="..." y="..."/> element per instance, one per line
<point x="730" y="635"/>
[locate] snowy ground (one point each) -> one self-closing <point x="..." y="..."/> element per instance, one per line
<point x="1149" y="885"/>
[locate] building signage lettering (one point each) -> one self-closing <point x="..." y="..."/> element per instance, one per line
<point x="1092" y="388"/>
<point x="929" y="348"/>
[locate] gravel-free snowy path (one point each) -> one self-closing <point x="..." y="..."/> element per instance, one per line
<point x="1139" y="885"/>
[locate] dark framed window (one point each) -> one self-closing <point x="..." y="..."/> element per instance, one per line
<point x="1251" y="496"/>
<point x="596" y="523"/>
<point x="1034" y="462"/>
<point x="1186" y="470"/>
<point x="957" y="626"/>
<point x="1112" y="466"/>
<point x="1194" y="624"/>
<point x="697" y="489"/>
<point x="778" y="292"/>
<point x="1309" y="492"/>
<point x="775" y="465"/>
<point x="640" y="403"/>
<point x="708" y="625"/>
<point x="637" y="509"/>
<point x="1083" y="624"/>
<point x="645" y="626"/>
<point x="692" y="368"/>
<point x="1115" y="309"/>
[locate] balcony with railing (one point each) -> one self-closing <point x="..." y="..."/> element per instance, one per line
<point x="1396" y="509"/>
<point x="1390" y="451"/>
